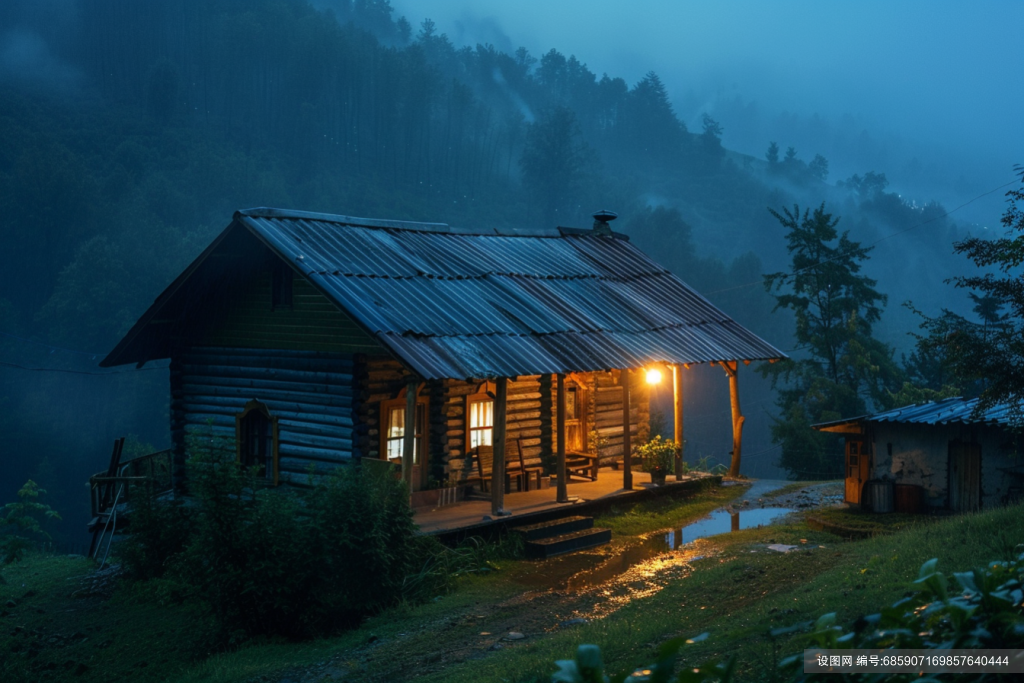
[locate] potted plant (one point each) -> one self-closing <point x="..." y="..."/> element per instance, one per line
<point x="658" y="456"/>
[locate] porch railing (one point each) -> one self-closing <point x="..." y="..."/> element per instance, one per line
<point x="153" y="469"/>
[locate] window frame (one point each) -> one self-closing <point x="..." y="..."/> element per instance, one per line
<point x="273" y="477"/>
<point x="485" y="392"/>
<point x="422" y="440"/>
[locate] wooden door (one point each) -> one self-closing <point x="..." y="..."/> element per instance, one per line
<point x="393" y="438"/>
<point x="575" y="417"/>
<point x="964" y="476"/>
<point x="858" y="468"/>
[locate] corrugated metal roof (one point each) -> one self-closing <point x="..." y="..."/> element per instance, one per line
<point x="947" y="411"/>
<point x="461" y="304"/>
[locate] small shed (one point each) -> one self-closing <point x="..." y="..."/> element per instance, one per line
<point x="315" y="340"/>
<point x="961" y="461"/>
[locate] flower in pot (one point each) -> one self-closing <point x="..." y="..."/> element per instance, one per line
<point x="658" y="456"/>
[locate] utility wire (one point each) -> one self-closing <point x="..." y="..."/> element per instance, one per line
<point x="49" y="346"/>
<point x="76" y="372"/>
<point x="880" y="239"/>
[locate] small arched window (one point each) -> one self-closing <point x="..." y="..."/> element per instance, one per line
<point x="256" y="439"/>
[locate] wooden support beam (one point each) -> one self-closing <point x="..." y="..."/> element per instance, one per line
<point x="627" y="447"/>
<point x="409" y="437"/>
<point x="562" y="494"/>
<point x="732" y="370"/>
<point x="498" y="440"/>
<point x="677" y="419"/>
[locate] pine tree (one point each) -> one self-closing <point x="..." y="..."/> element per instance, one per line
<point x="839" y="369"/>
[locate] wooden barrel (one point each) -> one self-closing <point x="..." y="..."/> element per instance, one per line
<point x="880" y="495"/>
<point x="908" y="498"/>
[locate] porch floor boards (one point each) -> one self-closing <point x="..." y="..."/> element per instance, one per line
<point x="530" y="507"/>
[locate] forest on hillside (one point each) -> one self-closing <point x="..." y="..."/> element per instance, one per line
<point x="131" y="131"/>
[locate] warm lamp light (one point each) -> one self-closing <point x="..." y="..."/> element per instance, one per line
<point x="653" y="376"/>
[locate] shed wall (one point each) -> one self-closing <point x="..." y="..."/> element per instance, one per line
<point x="920" y="456"/>
<point x="310" y="393"/>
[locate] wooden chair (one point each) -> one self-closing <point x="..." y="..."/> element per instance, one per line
<point x="582" y="464"/>
<point x="484" y="456"/>
<point x="516" y="446"/>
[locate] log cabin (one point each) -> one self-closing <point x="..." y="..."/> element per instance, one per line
<point x="312" y="341"/>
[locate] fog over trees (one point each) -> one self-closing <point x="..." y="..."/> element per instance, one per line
<point x="131" y="131"/>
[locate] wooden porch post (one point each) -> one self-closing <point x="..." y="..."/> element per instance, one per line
<point x="498" y="441"/>
<point x="731" y="369"/>
<point x="409" y="437"/>
<point x="627" y="446"/>
<point x="563" y="494"/>
<point x="677" y="408"/>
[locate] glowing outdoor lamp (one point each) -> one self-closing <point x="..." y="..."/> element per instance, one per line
<point x="654" y="376"/>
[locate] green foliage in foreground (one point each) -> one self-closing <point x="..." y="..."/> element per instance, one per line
<point x="986" y="611"/>
<point x="286" y="562"/>
<point x="21" y="523"/>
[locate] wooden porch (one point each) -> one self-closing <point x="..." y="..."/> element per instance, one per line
<point x="473" y="516"/>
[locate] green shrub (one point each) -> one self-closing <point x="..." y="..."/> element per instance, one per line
<point x="160" y="530"/>
<point x="297" y="563"/>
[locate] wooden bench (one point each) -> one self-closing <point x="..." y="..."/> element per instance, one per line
<point x="515" y="466"/>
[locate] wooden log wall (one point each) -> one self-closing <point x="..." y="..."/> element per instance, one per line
<point x="605" y="411"/>
<point x="310" y="393"/>
<point x="378" y="379"/>
<point x="528" y="412"/>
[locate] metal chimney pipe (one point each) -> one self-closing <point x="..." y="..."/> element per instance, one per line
<point x="601" y="220"/>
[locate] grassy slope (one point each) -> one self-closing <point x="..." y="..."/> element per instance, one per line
<point x="737" y="596"/>
<point x="740" y="595"/>
<point x="62" y="628"/>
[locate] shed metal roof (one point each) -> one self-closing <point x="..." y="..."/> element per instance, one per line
<point x="947" y="411"/>
<point x="471" y="304"/>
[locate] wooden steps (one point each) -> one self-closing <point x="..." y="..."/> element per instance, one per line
<point x="560" y="536"/>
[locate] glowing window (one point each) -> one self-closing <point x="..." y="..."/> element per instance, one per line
<point x="393" y="428"/>
<point x="481" y="423"/>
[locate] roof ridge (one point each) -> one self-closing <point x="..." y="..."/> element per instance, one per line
<point x="268" y="212"/>
<point x="633" y="277"/>
<point x="416" y="226"/>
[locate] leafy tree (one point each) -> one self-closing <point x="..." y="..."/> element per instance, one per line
<point x="21" y="523"/>
<point x="868" y="187"/>
<point x="555" y="161"/>
<point x="842" y="369"/>
<point x="819" y="167"/>
<point x="711" y="136"/>
<point x="990" y="352"/>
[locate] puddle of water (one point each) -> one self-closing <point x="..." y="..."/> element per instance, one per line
<point x="641" y="569"/>
<point x="721" y="522"/>
<point x="650" y="550"/>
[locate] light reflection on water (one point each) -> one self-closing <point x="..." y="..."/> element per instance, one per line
<point x="642" y="569"/>
<point x="723" y="521"/>
<point x="647" y="562"/>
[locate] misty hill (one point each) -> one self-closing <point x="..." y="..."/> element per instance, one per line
<point x="129" y="132"/>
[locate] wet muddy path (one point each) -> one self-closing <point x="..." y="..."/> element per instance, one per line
<point x="571" y="590"/>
